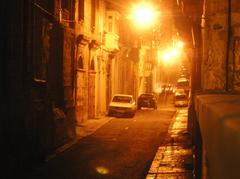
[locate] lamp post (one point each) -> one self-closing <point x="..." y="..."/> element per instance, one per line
<point x="146" y="21"/>
<point x="144" y="17"/>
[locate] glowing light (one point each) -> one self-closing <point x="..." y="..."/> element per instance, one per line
<point x="175" y="53"/>
<point x="166" y="56"/>
<point x="144" y="14"/>
<point x="169" y="55"/>
<point x="179" y="44"/>
<point x="102" y="170"/>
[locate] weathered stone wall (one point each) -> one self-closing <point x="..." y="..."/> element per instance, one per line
<point x="235" y="51"/>
<point x="215" y="40"/>
<point x="68" y="80"/>
<point x="214" y="46"/>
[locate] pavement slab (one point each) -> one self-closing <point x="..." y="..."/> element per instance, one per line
<point x="174" y="159"/>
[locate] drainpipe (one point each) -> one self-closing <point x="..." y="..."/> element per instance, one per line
<point x="228" y="44"/>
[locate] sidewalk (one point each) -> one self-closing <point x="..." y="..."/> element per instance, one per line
<point x="86" y="128"/>
<point x="90" y="126"/>
<point x="174" y="159"/>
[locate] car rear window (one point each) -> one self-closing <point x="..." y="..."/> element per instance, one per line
<point x="182" y="83"/>
<point x="181" y="97"/>
<point x="122" y="99"/>
<point x="146" y="96"/>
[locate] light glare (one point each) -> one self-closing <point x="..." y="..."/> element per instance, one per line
<point x="180" y="44"/>
<point x="102" y="170"/>
<point x="169" y="55"/>
<point x="144" y="14"/>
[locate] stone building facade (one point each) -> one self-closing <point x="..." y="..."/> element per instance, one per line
<point x="62" y="62"/>
<point x="214" y="29"/>
<point x="37" y="106"/>
<point x="220" y="30"/>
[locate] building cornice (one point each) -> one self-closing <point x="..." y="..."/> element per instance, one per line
<point x="83" y="39"/>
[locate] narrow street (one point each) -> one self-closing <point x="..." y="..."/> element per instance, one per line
<point x="122" y="148"/>
<point x="69" y="66"/>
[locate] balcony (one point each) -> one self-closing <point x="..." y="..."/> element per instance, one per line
<point x="110" y="41"/>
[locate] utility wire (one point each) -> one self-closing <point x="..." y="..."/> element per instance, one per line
<point x="47" y="12"/>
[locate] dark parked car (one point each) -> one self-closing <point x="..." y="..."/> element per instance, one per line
<point x="148" y="100"/>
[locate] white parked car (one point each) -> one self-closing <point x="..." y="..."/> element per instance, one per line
<point x="184" y="83"/>
<point x="179" y="91"/>
<point x="122" y="105"/>
<point x="181" y="100"/>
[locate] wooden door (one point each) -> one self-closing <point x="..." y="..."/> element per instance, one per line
<point x="91" y="99"/>
<point x="80" y="97"/>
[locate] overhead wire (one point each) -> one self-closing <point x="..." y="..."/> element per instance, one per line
<point x="49" y="13"/>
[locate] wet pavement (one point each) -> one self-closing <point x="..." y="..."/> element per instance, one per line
<point x="122" y="148"/>
<point x="174" y="159"/>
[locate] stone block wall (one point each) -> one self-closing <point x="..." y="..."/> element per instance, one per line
<point x="218" y="66"/>
<point x="218" y="118"/>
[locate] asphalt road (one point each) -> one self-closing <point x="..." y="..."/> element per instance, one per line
<point x="123" y="148"/>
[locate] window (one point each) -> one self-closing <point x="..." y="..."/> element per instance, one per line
<point x="81" y="10"/>
<point x="92" y="65"/>
<point x="181" y="97"/>
<point x="42" y="49"/>
<point x="182" y="83"/>
<point x="65" y="4"/>
<point x="93" y="14"/>
<point x="80" y="62"/>
<point x="116" y="26"/>
<point x="122" y="99"/>
<point x="110" y="24"/>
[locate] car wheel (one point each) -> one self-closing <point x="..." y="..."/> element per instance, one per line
<point x="133" y="114"/>
<point x="139" y="107"/>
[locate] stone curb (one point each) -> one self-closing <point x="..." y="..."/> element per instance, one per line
<point x="87" y="128"/>
<point x="174" y="159"/>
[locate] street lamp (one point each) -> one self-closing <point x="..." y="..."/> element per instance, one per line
<point x="144" y="14"/>
<point x="169" y="55"/>
<point x="180" y="44"/>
